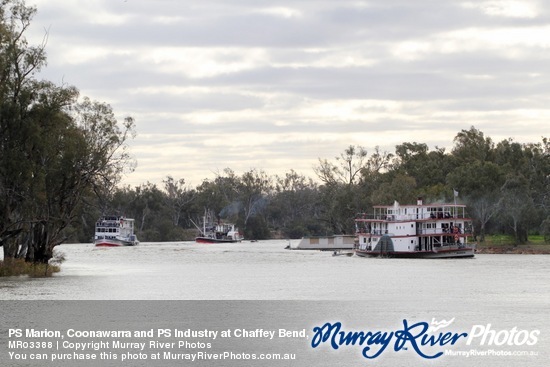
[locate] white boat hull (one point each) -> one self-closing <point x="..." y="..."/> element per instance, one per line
<point x="215" y="240"/>
<point x="114" y="243"/>
<point x="114" y="231"/>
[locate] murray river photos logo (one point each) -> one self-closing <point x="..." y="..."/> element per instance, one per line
<point x="428" y="340"/>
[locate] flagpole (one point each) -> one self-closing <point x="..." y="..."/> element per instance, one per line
<point x="455" y="194"/>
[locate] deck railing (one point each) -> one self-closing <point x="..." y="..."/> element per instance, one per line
<point x="419" y="231"/>
<point x="409" y="217"/>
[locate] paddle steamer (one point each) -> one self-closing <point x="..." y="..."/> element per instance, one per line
<point x="114" y="230"/>
<point x="415" y="231"/>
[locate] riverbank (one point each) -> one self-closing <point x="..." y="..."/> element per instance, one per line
<point x="525" y="249"/>
<point x="17" y="267"/>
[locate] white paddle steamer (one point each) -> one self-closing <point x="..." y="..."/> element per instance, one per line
<point x="415" y="231"/>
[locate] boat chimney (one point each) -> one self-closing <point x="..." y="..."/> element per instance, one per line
<point x="419" y="201"/>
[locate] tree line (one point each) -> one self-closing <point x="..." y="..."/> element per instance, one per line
<point x="506" y="186"/>
<point x="62" y="158"/>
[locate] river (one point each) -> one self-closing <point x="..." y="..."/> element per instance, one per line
<point x="505" y="291"/>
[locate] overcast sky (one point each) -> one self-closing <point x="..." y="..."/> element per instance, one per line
<point x="275" y="85"/>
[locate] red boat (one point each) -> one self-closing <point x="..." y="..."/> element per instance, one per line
<point x="217" y="232"/>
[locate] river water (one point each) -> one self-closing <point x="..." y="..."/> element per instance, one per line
<point x="266" y="271"/>
<point x="505" y="291"/>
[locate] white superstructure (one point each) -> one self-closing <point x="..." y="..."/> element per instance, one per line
<point x="434" y="230"/>
<point x="115" y="231"/>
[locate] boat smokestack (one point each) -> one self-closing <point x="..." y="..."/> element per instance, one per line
<point x="419" y="201"/>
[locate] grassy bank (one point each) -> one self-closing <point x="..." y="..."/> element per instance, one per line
<point x="16" y="267"/>
<point x="503" y="244"/>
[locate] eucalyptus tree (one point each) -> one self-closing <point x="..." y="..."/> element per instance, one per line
<point x="340" y="188"/>
<point x="255" y="191"/>
<point x="54" y="150"/>
<point x="294" y="208"/>
<point x="395" y="186"/>
<point x="516" y="206"/>
<point x="18" y="62"/>
<point x="347" y="168"/>
<point x="479" y="183"/>
<point x="542" y="152"/>
<point x="472" y="145"/>
<point x="72" y="156"/>
<point x="531" y="161"/>
<point x="147" y="205"/>
<point x="373" y="174"/>
<point x="209" y="198"/>
<point x="178" y="197"/>
<point x="428" y="168"/>
<point x="538" y="163"/>
<point x="545" y="229"/>
<point x="219" y="196"/>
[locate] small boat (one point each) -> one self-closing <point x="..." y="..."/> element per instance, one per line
<point x="218" y="232"/>
<point x="342" y="253"/>
<point x="415" y="231"/>
<point x="114" y="231"/>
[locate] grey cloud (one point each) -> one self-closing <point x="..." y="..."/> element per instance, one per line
<point x="303" y="63"/>
<point x="223" y="24"/>
<point x="204" y="27"/>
